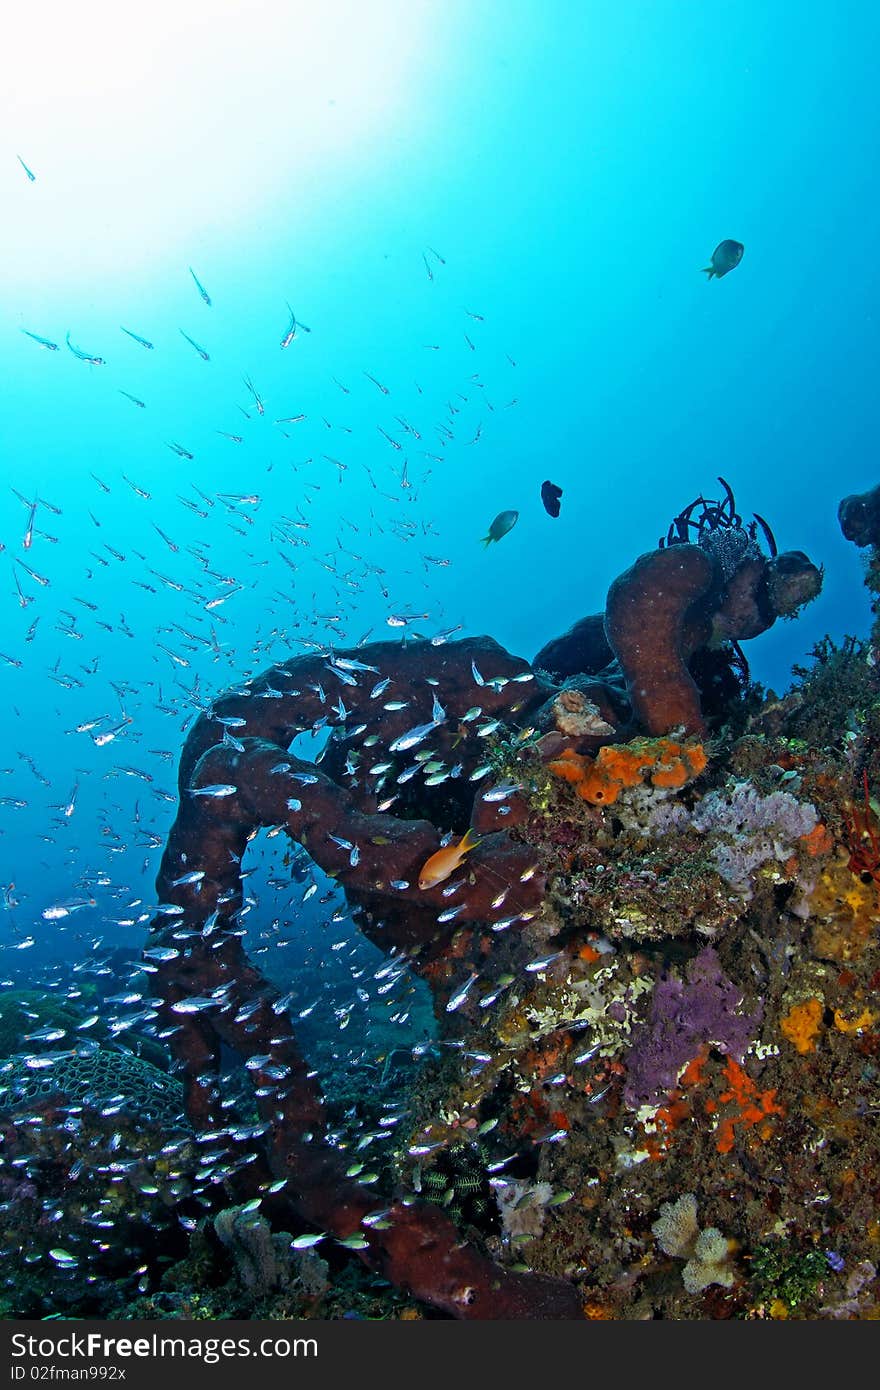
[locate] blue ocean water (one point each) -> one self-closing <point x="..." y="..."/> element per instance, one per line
<point x="489" y="222"/>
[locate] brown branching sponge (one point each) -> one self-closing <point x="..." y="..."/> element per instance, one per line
<point x="236" y="775"/>
<point x="654" y="624"/>
<point x="669" y="618"/>
<point x="859" y="517"/>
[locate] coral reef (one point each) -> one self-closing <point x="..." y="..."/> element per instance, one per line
<point x="653" y="974"/>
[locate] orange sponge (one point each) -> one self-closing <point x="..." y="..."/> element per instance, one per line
<point x="801" y="1024"/>
<point x="666" y="762"/>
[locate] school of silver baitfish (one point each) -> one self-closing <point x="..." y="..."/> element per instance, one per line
<point x="134" y="619"/>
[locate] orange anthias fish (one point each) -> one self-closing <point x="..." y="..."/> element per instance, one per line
<point x="446" y="860"/>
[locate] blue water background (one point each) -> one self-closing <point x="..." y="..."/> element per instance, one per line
<point x="574" y="165"/>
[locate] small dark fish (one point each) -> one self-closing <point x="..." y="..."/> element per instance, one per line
<point x="726" y="256"/>
<point x="31" y="175"/>
<point x="504" y="522"/>
<point x="550" y="495"/>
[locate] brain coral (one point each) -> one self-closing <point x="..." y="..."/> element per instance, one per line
<point x="95" y="1076"/>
